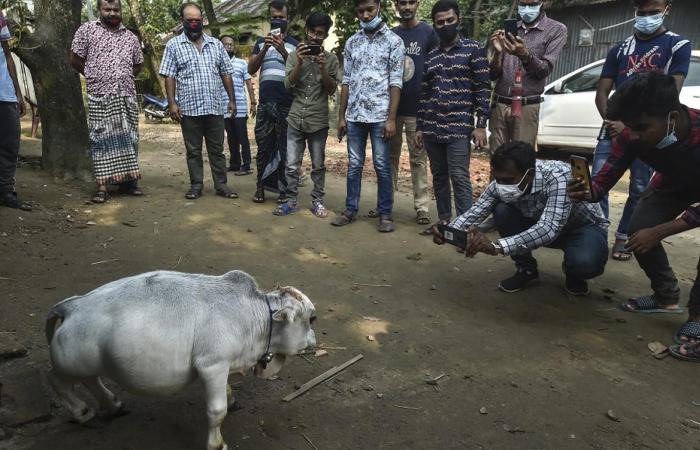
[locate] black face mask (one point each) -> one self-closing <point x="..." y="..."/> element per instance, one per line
<point x="279" y="23"/>
<point x="111" y="21"/>
<point x="193" y="29"/>
<point x="448" y="33"/>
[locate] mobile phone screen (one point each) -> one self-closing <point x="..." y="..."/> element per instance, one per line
<point x="579" y="169"/>
<point x="314" y="49"/>
<point x="511" y="26"/>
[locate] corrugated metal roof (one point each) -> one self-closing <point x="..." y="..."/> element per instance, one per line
<point x="231" y="7"/>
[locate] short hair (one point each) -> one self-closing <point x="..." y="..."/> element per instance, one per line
<point x="186" y="5"/>
<point x="278" y="5"/>
<point x="522" y="154"/>
<point x="221" y="38"/>
<point x="654" y="94"/>
<point x="640" y="3"/>
<point x="444" y="6"/>
<point x="318" y="19"/>
<point x="99" y="2"/>
<point x="358" y="2"/>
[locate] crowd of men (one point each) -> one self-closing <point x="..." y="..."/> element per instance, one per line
<point x="433" y="85"/>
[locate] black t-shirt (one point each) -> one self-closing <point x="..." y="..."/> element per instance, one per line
<point x="419" y="40"/>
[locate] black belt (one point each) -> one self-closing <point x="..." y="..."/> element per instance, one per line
<point x="525" y="100"/>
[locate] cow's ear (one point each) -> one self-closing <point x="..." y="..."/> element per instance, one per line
<point x="284" y="315"/>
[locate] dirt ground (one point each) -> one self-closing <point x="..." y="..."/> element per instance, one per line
<point x="533" y="370"/>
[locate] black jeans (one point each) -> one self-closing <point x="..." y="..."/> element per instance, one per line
<point x="211" y="129"/>
<point x="9" y="145"/>
<point x="656" y="207"/>
<point x="238" y="143"/>
<point x="271" y="137"/>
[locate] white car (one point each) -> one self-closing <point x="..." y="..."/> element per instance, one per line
<point x="569" y="117"/>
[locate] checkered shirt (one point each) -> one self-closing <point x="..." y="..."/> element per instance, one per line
<point x="198" y="74"/>
<point x="547" y="202"/>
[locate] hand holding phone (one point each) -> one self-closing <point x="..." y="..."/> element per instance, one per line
<point x="581" y="179"/>
<point x="453" y="236"/>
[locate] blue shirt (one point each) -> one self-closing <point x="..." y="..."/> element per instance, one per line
<point x="418" y="40"/>
<point x="7" y="87"/>
<point x="272" y="73"/>
<point x="373" y="65"/>
<point x="455" y="85"/>
<point x="198" y="74"/>
<point x="239" y="77"/>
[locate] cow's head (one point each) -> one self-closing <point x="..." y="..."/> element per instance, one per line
<point x="292" y="328"/>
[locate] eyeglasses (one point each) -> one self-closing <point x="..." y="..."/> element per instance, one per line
<point x="407" y="2"/>
<point x="313" y="35"/>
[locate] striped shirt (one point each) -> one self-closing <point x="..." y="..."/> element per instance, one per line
<point x="198" y="74"/>
<point x="455" y="84"/>
<point x="273" y="71"/>
<point x="239" y="77"/>
<point x="547" y="202"/>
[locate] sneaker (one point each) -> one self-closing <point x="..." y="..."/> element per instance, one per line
<point x="520" y="280"/>
<point x="576" y="287"/>
<point x="487" y="225"/>
<point x="386" y="224"/>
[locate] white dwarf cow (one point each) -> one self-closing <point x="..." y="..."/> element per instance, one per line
<point x="157" y="332"/>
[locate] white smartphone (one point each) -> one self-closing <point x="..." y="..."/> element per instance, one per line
<point x="276" y="32"/>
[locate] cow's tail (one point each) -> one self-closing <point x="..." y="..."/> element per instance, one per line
<point x="57" y="312"/>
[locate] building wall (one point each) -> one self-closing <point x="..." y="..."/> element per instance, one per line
<point x="684" y="20"/>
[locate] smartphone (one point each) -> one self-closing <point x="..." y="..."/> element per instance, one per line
<point x="276" y="32"/>
<point x="510" y="26"/>
<point x="453" y="236"/>
<point x="313" y="49"/>
<point x="579" y="170"/>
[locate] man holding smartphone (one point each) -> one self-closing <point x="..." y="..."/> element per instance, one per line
<point x="313" y="75"/>
<point x="269" y="57"/>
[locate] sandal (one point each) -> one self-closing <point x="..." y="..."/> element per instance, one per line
<point x="686" y="352"/>
<point x="429" y="231"/>
<point x="372" y="214"/>
<point x="319" y="210"/>
<point x="386" y="224"/>
<point x="100" y="197"/>
<point x="286" y="209"/>
<point x="647" y="304"/>
<point x="11" y="200"/>
<point x="226" y="193"/>
<point x="620" y="252"/>
<point x="422" y="218"/>
<point x="240" y="173"/>
<point x="259" y="196"/>
<point x="691" y="331"/>
<point x="130" y="188"/>
<point x="343" y="219"/>
<point x="193" y="194"/>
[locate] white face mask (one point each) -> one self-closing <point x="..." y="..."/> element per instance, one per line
<point x="670" y="138"/>
<point x="509" y="193"/>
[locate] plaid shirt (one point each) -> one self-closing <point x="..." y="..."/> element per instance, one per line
<point x="198" y="74"/>
<point x="547" y="202"/>
<point x="677" y="167"/>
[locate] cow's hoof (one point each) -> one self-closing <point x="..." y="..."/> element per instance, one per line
<point x="235" y="406"/>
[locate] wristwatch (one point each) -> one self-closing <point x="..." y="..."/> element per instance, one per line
<point x="498" y="247"/>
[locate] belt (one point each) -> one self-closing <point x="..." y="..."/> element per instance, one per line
<point x="525" y="100"/>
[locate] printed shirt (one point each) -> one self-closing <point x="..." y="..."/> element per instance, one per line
<point x="668" y="53"/>
<point x="110" y="57"/>
<point x="419" y="41"/>
<point x="373" y="64"/>
<point x="547" y="202"/>
<point x="198" y="74"/>
<point x="272" y="72"/>
<point x="677" y="167"/>
<point x="544" y="40"/>
<point x="7" y="87"/>
<point x="309" y="111"/>
<point x="239" y="77"/>
<point x="455" y="84"/>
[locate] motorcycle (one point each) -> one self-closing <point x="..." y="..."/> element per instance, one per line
<point x="155" y="108"/>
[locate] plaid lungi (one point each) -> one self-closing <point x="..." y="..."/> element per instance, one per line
<point x="114" y="138"/>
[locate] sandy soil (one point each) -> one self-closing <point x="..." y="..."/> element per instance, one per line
<point x="531" y="370"/>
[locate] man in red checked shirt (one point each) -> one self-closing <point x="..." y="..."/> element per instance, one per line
<point x="664" y="134"/>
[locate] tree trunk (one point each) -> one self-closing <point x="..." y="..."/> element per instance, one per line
<point x="211" y="17"/>
<point x="150" y="56"/>
<point x="65" y="140"/>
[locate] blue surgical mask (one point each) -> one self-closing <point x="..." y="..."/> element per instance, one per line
<point x="670" y="138"/>
<point x="649" y="24"/>
<point x="372" y="24"/>
<point x="529" y="13"/>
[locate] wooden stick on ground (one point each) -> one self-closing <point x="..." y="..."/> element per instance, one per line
<point x="309" y="441"/>
<point x="321" y="378"/>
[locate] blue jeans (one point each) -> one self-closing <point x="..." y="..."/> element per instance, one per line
<point x="381" y="149"/>
<point x="449" y="162"/>
<point x="640" y="175"/>
<point x="585" y="247"/>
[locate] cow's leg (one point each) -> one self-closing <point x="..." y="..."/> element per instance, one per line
<point x="64" y="389"/>
<point x="110" y="406"/>
<point x="231" y="401"/>
<point x="215" y="380"/>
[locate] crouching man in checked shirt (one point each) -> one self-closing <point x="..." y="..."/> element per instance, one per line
<point x="197" y="65"/>
<point x="532" y="209"/>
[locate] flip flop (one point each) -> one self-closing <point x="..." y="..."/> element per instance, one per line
<point x="226" y="193"/>
<point x="286" y="209"/>
<point x="690" y="329"/>
<point x="372" y="214"/>
<point x="692" y="352"/>
<point x="620" y="252"/>
<point x="647" y="304"/>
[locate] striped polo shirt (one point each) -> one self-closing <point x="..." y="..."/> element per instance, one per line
<point x="272" y="73"/>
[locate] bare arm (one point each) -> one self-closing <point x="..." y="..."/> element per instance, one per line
<point x="390" y="124"/>
<point x="605" y="86"/>
<point x="78" y="63"/>
<point x="251" y="91"/>
<point x="172" y="104"/>
<point x="680" y="79"/>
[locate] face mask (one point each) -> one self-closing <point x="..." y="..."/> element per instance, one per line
<point x="111" y="21"/>
<point x="372" y="24"/>
<point x="509" y="193"/>
<point x="670" y="138"/>
<point x="529" y="13"/>
<point x="278" y="23"/>
<point x="193" y="29"/>
<point x="448" y="33"/>
<point x="649" y="24"/>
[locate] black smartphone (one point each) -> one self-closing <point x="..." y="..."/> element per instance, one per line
<point x="313" y="49"/>
<point x="579" y="169"/>
<point x="453" y="236"/>
<point x="511" y="26"/>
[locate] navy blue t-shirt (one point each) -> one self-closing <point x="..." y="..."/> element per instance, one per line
<point x="668" y="53"/>
<point x="273" y="71"/>
<point x="419" y="41"/>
